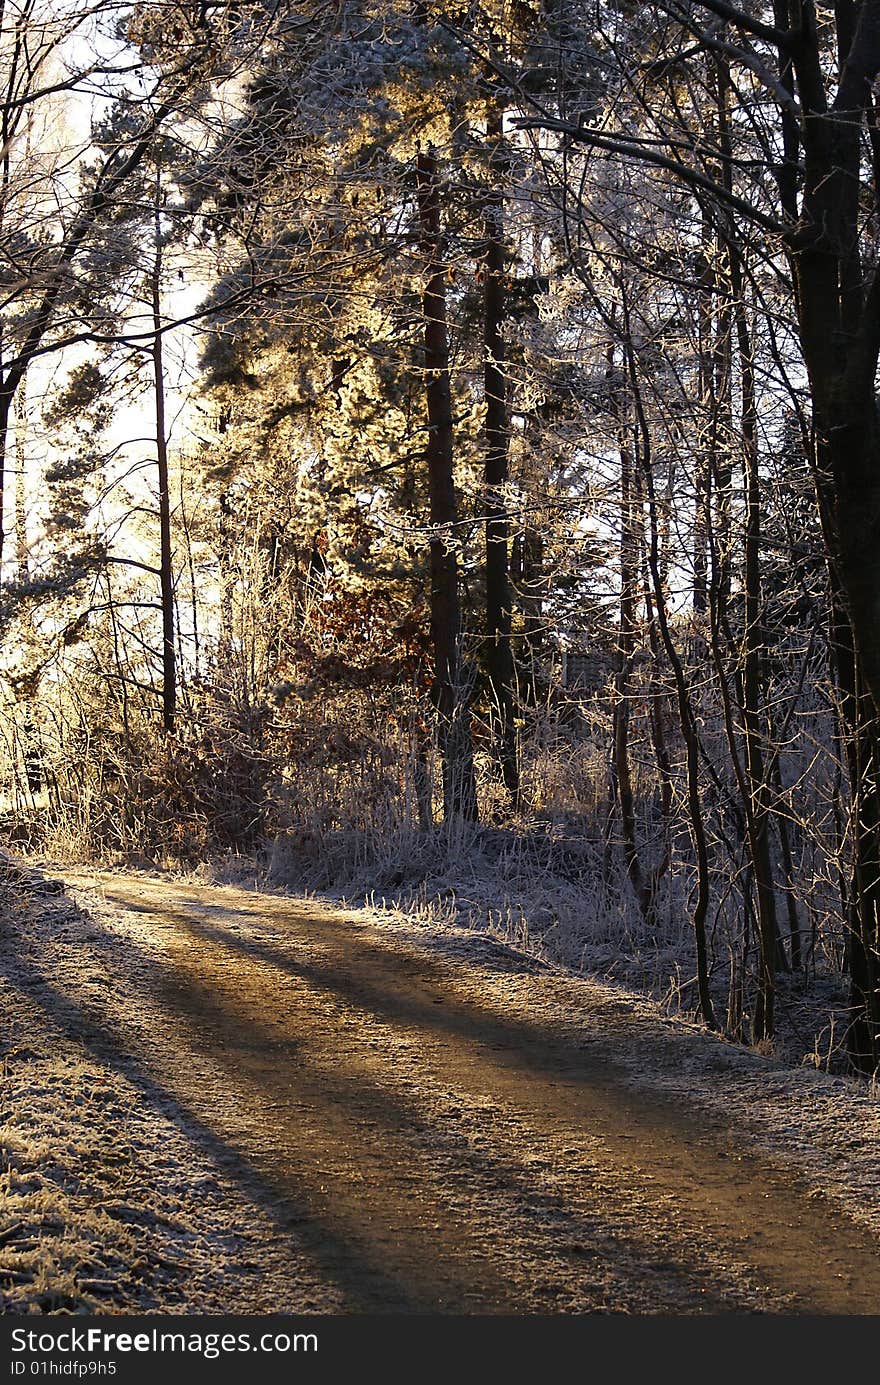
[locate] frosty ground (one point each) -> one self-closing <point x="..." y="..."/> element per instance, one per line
<point x="219" y="1099"/>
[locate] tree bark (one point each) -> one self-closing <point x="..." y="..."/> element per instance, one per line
<point x="838" y="302"/>
<point x="459" y="783"/>
<point x="166" y="557"/>
<point x="758" y="806"/>
<point x="499" y="656"/>
<point x="687" y="719"/>
<point x="626" y="648"/>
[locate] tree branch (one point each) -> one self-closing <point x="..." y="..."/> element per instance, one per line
<point x="629" y="149"/>
<point x="780" y="38"/>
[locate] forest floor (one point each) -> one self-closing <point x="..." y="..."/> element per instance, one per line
<point x="216" y="1100"/>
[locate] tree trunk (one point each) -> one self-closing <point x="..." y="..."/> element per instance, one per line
<point x="687" y="719"/>
<point x="863" y="939"/>
<point x="6" y="398"/>
<point x="758" y="806"/>
<point x="166" y="573"/>
<point x="459" y="783"/>
<point x="841" y="359"/>
<point x="752" y="779"/>
<point x="499" y="655"/>
<point x="625" y="654"/>
<point x="33" y="754"/>
<point x="531" y="581"/>
<point x="861" y="737"/>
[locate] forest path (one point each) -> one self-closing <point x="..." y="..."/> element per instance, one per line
<point x="446" y="1126"/>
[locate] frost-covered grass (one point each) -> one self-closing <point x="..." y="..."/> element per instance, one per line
<point x="109" y="1200"/>
<point x="98" y="1191"/>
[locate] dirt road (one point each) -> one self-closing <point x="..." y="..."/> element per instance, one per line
<point x="434" y="1132"/>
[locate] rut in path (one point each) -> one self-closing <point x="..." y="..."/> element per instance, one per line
<point x="438" y="1133"/>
